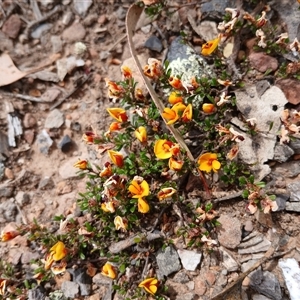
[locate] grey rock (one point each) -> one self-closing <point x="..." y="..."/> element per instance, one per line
<point x="282" y="153"/>
<point x="65" y="144"/>
<point x="67" y="18"/>
<point x="46" y="184"/>
<point x="50" y="94"/>
<point x="262" y="62"/>
<point x="6" y="190"/>
<point x="269" y="286"/>
<point x="289" y="13"/>
<point x="22" y="198"/>
<point x="28" y="256"/>
<point x="248" y="257"/>
<point x="153" y="43"/>
<point x="257" y="150"/>
<point x="44" y="142"/>
<point x="247" y="265"/>
<point x="254" y="240"/>
<point x="221" y="280"/>
<point x="292" y="206"/>
<point x="37" y="293"/>
<point x="229" y="232"/>
<point x="168" y="261"/>
<point x="228" y="261"/>
<point x="82" y="7"/>
<point x="55" y="119"/>
<point x="40" y="30"/>
<point x="186" y="296"/>
<point x="189" y="259"/>
<point x="262" y="246"/>
<point x="295" y="145"/>
<point x="294" y="189"/>
<point x="100" y="279"/>
<point x="56" y="43"/>
<point x="215" y="6"/>
<point x="185" y="62"/>
<point x="291" y="273"/>
<point x="289" y="169"/>
<point x="260" y="297"/>
<point x="9" y="210"/>
<point x="181" y="277"/>
<point x="70" y="289"/>
<point x="121" y="13"/>
<point x="248" y="226"/>
<point x="281" y="201"/>
<point x="2" y="168"/>
<point x="84" y="281"/>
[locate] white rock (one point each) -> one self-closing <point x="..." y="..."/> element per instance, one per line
<point x="291" y="272"/>
<point x="189" y="259"/>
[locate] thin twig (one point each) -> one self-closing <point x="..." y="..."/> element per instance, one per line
<point x="23" y="97"/>
<point x="47" y="16"/>
<point x="72" y="92"/>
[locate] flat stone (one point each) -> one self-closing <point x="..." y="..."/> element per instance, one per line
<point x="50" y="95"/>
<point x="248" y="226"/>
<point x="67" y="169"/>
<point x="29" y="136"/>
<point x="282" y="153"/>
<point x="269" y="286"/>
<point x="189" y="259"/>
<point x="247" y="265"/>
<point x="38" y="293"/>
<point x="181" y="277"/>
<point x="291" y="273"/>
<point x="252" y="241"/>
<point x="281" y="200"/>
<point x="294" y="189"/>
<point x="12" y="26"/>
<point x="186" y="296"/>
<point x="260" y="297"/>
<point x="44" y="142"/>
<point x="75" y="33"/>
<point x="289" y="169"/>
<point x="153" y="43"/>
<point x="56" y="43"/>
<point x="228" y="261"/>
<point x="70" y="289"/>
<point x="29" y="120"/>
<point x="291" y="89"/>
<point x="168" y="261"/>
<point x="292" y="206"/>
<point x="55" y="119"/>
<point x="229" y="232"/>
<point x="262" y="62"/>
<point x="262" y="246"/>
<point x="82" y="7"/>
<point x="39" y="31"/>
<point x="200" y="285"/>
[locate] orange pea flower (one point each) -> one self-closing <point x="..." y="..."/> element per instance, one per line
<point x="164" y="149"/>
<point x="107" y="171"/>
<point x="115" y="126"/>
<point x="141" y="134"/>
<point x="109" y="271"/>
<point x="120" y="223"/>
<point x="208" y="162"/>
<point x="175" y="82"/>
<point x="139" y="95"/>
<point x="175" y="164"/>
<point x="175" y="97"/>
<point x="81" y="164"/>
<point x="150" y="285"/>
<point x="9" y="235"/>
<point x="2" y="286"/>
<point x="108" y="207"/>
<point x="170" y="115"/>
<point x="166" y="193"/>
<point x="143" y="206"/>
<point x="89" y="137"/>
<point x="116" y="157"/>
<point x="208" y="108"/>
<point x="187" y="113"/>
<point x="126" y="71"/>
<point x="57" y="252"/>
<point x="154" y="68"/>
<point x="115" y="91"/>
<point x="209" y="47"/>
<point x="139" y="188"/>
<point x="118" y="113"/>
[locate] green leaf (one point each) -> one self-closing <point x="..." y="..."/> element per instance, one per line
<point x="245" y="194"/>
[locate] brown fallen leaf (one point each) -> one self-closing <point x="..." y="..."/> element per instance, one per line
<point x="9" y="73"/>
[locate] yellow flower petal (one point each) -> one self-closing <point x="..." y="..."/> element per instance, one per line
<point x="116" y="157"/>
<point x="118" y="113"/>
<point x="58" y="251"/>
<point x="143" y="206"/>
<point x="209" y="47"/>
<point x="150" y="285"/>
<point x="141" y="134"/>
<point x="162" y="149"/>
<point x="109" y="271"/>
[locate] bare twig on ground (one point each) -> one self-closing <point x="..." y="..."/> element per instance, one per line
<point x="47" y="16"/>
<point x="23" y="97"/>
<point x="82" y="82"/>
